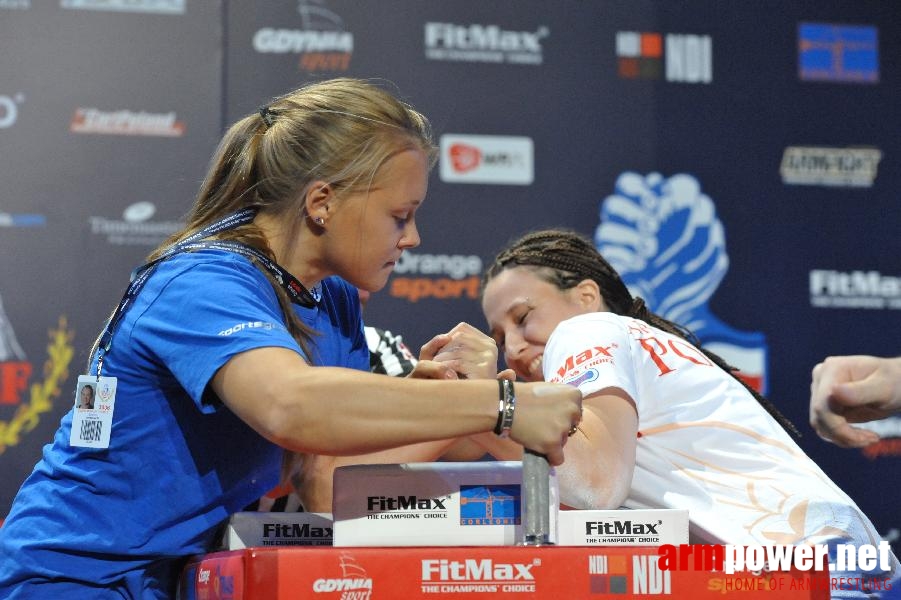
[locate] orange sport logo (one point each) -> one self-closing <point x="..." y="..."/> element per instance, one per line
<point x="439" y="276"/>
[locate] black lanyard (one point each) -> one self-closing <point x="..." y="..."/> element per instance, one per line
<point x="294" y="288"/>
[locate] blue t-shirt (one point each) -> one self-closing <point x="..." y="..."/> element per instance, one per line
<point x="179" y="462"/>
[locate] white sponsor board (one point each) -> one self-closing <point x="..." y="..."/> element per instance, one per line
<point x="622" y="527"/>
<point x="255" y="529"/>
<point x="432" y="504"/>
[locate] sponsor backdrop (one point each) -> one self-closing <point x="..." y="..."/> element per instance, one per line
<point x="738" y="162"/>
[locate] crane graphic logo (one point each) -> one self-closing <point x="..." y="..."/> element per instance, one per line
<point x="490" y="504"/>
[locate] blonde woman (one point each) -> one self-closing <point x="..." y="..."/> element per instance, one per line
<point x="241" y="339"/>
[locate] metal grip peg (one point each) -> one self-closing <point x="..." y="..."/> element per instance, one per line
<point x="536" y="498"/>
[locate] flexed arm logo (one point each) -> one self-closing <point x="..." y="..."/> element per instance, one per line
<point x="664" y="238"/>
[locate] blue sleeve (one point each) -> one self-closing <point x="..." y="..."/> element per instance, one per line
<point x="202" y="311"/>
<point x="359" y="355"/>
<point x="338" y="322"/>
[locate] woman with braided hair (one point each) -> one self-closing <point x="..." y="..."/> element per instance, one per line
<point x="666" y="424"/>
<point x="242" y="338"/>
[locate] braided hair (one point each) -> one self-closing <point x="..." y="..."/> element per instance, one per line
<point x="564" y="258"/>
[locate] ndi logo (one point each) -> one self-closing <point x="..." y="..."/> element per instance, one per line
<point x="648" y="577"/>
<point x="688" y="58"/>
<point x="608" y="574"/>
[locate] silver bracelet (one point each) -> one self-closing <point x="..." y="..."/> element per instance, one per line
<point x="505" y="416"/>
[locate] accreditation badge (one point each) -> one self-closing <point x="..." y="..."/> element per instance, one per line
<point x="95" y="398"/>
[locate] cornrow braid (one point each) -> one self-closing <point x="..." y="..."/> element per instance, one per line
<point x="563" y="258"/>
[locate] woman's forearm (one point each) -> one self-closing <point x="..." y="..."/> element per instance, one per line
<point x="336" y="411"/>
<point x="376" y="413"/>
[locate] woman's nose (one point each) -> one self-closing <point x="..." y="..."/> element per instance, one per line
<point x="411" y="236"/>
<point x="513" y="347"/>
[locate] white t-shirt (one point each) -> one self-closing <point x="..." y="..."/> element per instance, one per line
<point x="704" y="442"/>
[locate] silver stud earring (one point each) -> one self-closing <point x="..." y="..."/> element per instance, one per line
<point x="319" y="221"/>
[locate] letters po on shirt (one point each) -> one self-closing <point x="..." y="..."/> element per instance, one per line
<point x="600" y="350"/>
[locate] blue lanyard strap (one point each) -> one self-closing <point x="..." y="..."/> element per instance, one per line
<point x="295" y="289"/>
<point x="196" y="241"/>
